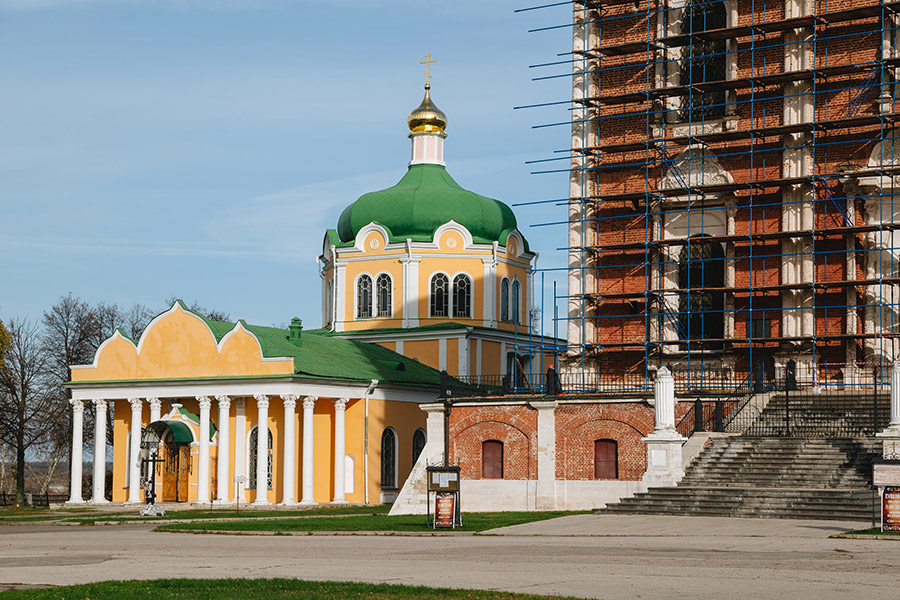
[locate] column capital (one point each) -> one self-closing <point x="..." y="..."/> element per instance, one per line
<point x="154" y="402"/>
<point x="77" y="406"/>
<point x="99" y="404"/>
<point x="290" y="400"/>
<point x="224" y="401"/>
<point x="340" y="403"/>
<point x="310" y="402"/>
<point x="136" y="404"/>
<point x="262" y="400"/>
<point x="204" y="401"/>
<point x="240" y="403"/>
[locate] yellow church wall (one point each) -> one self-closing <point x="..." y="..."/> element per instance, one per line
<point x="453" y="356"/>
<point x="323" y="451"/>
<point x="121" y="415"/>
<point x="388" y="345"/>
<point x="491" y="360"/>
<point x="354" y="445"/>
<point x="428" y="267"/>
<point x="180" y="345"/>
<point x="405" y="418"/>
<point x="424" y="351"/>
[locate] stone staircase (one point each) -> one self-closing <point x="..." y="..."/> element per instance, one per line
<point x="796" y="478"/>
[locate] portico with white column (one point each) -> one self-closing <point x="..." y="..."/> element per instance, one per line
<point x="134" y="452"/>
<point x="223" y="447"/>
<point x="262" y="450"/>
<point x="290" y="444"/>
<point x="339" y="450"/>
<point x="76" y="462"/>
<point x="307" y="498"/>
<point x="99" y="491"/>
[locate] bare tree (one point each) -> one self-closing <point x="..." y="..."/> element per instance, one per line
<point x="29" y="408"/>
<point x="211" y="314"/>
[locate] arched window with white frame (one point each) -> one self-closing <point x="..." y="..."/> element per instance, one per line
<point x="383" y="295"/>
<point x="440" y="295"/>
<point x="389" y="459"/>
<point x="364" y="297"/>
<point x="253" y="457"/>
<point x="462" y="296"/>
<point x="504" y="299"/>
<point x="516" y="302"/>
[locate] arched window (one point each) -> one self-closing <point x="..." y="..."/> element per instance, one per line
<point x="329" y="301"/>
<point x="701" y="303"/>
<point x="491" y="459"/>
<point x="383" y="295"/>
<point x="418" y="444"/>
<point x="389" y="459"/>
<point x="515" y="302"/>
<point x="504" y="300"/>
<point x="606" y="459"/>
<point x="462" y="296"/>
<point x="251" y="452"/>
<point x="364" y="297"/>
<point x="440" y="296"/>
<point x="703" y="60"/>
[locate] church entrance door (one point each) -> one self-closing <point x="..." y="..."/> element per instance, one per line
<point x="177" y="467"/>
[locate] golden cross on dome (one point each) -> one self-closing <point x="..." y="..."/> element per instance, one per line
<point x="427" y="62"/>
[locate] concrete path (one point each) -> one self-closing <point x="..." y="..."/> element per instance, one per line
<point x="586" y="556"/>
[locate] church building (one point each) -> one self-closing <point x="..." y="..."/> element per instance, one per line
<point x="419" y="278"/>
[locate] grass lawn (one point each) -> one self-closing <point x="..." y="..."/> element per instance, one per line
<point x="257" y="589"/>
<point x="472" y="522"/>
<point x="239" y="514"/>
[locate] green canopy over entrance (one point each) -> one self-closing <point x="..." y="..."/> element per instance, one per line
<point x="155" y="433"/>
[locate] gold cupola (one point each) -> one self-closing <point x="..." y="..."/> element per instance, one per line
<point x="427" y="118"/>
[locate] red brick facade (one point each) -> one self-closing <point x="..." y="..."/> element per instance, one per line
<point x="578" y="426"/>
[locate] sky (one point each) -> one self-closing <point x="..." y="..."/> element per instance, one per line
<point x="201" y="148"/>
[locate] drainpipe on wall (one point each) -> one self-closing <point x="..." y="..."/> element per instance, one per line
<point x="368" y="393"/>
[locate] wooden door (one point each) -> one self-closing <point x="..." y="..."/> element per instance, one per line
<point x="184" y="471"/>
<point x="606" y="463"/>
<point x="170" y="473"/>
<point x="492" y="459"/>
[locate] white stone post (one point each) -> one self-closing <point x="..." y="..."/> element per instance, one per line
<point x="664" y="466"/>
<point x="546" y="453"/>
<point x="223" y="448"/>
<point x="134" y="451"/>
<point x="309" y="404"/>
<point x="155" y="405"/>
<point x="99" y="492"/>
<point x="240" y="441"/>
<point x="75" y="459"/>
<point x="890" y="437"/>
<point x="339" y="449"/>
<point x="290" y="444"/>
<point x="203" y="467"/>
<point x="262" y="450"/>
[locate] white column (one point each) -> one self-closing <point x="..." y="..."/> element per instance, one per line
<point x="240" y="441"/>
<point x="134" y="452"/>
<point x="203" y="470"/>
<point x="262" y="450"/>
<point x="155" y="405"/>
<point x="75" y="459"/>
<point x="290" y="444"/>
<point x="664" y="395"/>
<point x="309" y="404"/>
<point x="895" y="397"/>
<point x="339" y="449"/>
<point x="223" y="448"/>
<point x="99" y="494"/>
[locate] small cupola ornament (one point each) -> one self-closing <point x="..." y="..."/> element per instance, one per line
<point x="426" y="126"/>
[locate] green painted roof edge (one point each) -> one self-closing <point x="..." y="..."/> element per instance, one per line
<point x="196" y="419"/>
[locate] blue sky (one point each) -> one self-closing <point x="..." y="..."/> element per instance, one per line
<point x="200" y="148"/>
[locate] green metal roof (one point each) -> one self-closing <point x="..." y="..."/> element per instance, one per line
<point x="180" y="432"/>
<point x="317" y="355"/>
<point x="423" y="200"/>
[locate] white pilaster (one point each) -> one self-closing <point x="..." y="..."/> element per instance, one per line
<point x="340" y="449"/>
<point x="546" y="455"/>
<point x="490" y="292"/>
<point x="478" y="357"/>
<point x="240" y="444"/>
<point x="340" y="294"/>
<point x="99" y="492"/>
<point x="203" y="467"/>
<point x="463" y="358"/>
<point x="134" y="452"/>
<point x="262" y="450"/>
<point x="411" y="302"/>
<point x="76" y="460"/>
<point x="155" y="405"/>
<point x="309" y="404"/>
<point x="223" y="449"/>
<point x="290" y="445"/>
<point x="442" y="354"/>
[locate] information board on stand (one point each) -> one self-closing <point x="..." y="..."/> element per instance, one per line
<point x="443" y="482"/>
